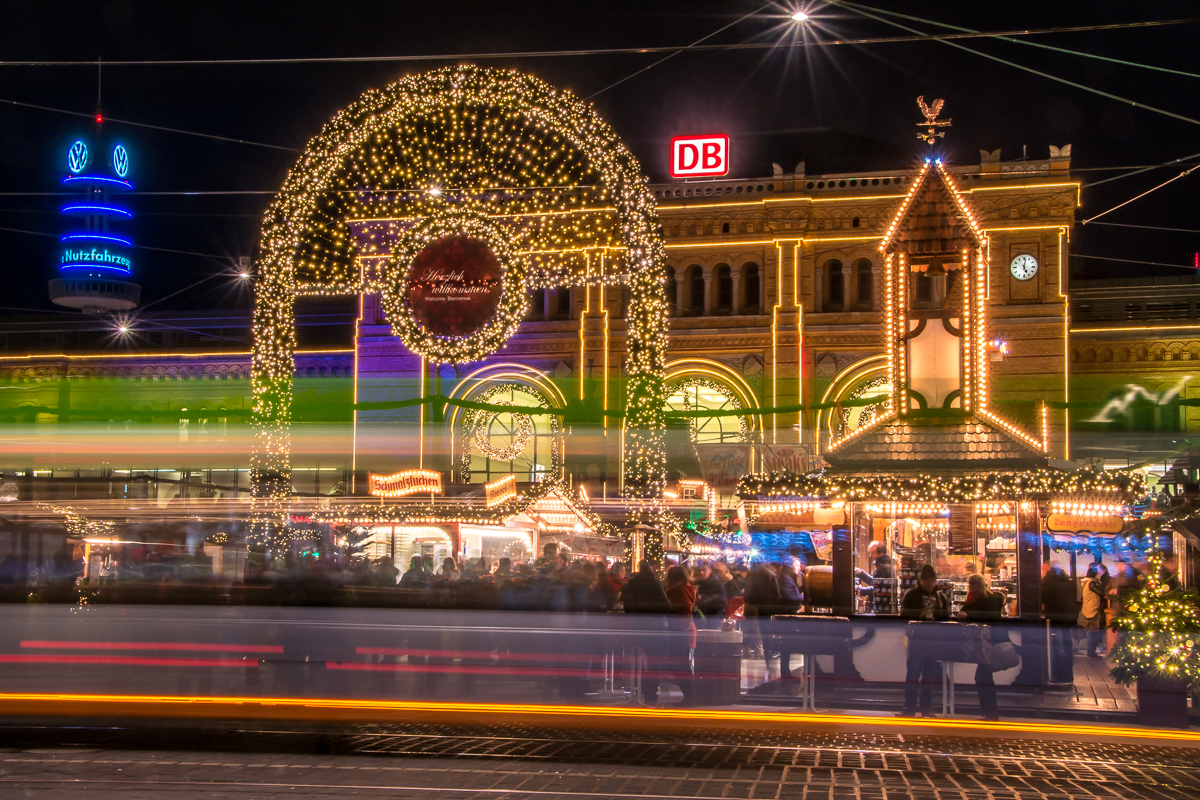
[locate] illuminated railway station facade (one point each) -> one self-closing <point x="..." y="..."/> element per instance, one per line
<point x="776" y="300"/>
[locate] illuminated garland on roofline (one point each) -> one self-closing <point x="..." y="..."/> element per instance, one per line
<point x="1116" y="485"/>
<point x="512" y="148"/>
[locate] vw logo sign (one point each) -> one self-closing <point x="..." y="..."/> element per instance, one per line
<point x="120" y="161"/>
<point x="77" y="157"/>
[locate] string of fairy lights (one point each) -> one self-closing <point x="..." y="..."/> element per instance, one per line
<point x="534" y="169"/>
<point x="1107" y="487"/>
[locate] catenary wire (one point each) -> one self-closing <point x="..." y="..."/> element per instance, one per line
<point x="669" y="56"/>
<point x="1183" y="174"/>
<point x="918" y="37"/>
<point x="1148" y="227"/>
<point x="136" y="246"/>
<point x="1131" y="261"/>
<point x="1064" y="50"/>
<point x="945" y="40"/>
<point x="1140" y="170"/>
<point x="146" y="125"/>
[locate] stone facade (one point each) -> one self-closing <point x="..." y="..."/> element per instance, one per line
<point x="775" y="292"/>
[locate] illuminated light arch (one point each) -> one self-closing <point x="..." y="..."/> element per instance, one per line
<point x="496" y="143"/>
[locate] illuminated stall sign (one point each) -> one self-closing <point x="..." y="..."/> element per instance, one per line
<point x="500" y="490"/>
<point x="409" y="481"/>
<point x="1084" y="523"/>
<point x="700" y="156"/>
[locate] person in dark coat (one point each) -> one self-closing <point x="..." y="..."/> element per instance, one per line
<point x="643" y="595"/>
<point x="710" y="596"/>
<point x="881" y="562"/>
<point x="985" y="607"/>
<point x="1060" y="606"/>
<point x="682" y="637"/>
<point x="791" y="597"/>
<point x="415" y="577"/>
<point x="922" y="602"/>
<point x="762" y="595"/>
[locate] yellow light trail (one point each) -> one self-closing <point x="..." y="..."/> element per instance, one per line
<point x="309" y="707"/>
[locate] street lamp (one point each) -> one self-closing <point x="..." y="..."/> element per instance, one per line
<point x="800" y="16"/>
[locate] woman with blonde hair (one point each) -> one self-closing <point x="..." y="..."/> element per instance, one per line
<point x="987" y="607"/>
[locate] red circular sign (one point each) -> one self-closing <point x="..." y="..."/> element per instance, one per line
<point x="454" y="286"/>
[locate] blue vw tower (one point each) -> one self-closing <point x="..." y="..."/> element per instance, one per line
<point x="94" y="258"/>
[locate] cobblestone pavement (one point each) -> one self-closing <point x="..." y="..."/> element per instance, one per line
<point x="503" y="762"/>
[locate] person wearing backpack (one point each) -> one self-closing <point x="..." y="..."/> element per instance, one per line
<point x="1095" y="603"/>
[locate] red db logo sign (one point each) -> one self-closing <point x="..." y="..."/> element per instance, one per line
<point x="699" y="156"/>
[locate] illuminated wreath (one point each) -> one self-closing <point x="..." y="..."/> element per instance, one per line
<point x="399" y="279"/>
<point x="524" y="436"/>
<point x="475" y="424"/>
<point x="720" y="388"/>
<point x="868" y="413"/>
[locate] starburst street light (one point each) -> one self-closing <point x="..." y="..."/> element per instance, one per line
<point x="799" y="16"/>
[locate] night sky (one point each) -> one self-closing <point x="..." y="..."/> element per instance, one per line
<point x="779" y="105"/>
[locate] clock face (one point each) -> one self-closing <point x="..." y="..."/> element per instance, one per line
<point x="1024" y="267"/>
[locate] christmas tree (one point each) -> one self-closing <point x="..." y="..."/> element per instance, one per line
<point x="1160" y="627"/>
<point x="351" y="539"/>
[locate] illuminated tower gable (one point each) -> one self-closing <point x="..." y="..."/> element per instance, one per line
<point x="935" y="293"/>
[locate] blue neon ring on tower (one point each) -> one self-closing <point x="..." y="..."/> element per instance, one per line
<point x="97" y="179"/>
<point x="90" y="209"/>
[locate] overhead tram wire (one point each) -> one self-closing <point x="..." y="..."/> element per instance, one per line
<point x="669" y="56"/>
<point x="602" y="51"/>
<point x="135" y="246"/>
<point x="1183" y="174"/>
<point x="945" y="40"/>
<point x="1148" y="227"/>
<point x="1139" y="171"/>
<point x="671" y="50"/>
<point x="1064" y="50"/>
<point x="1132" y="261"/>
<point x="147" y="125"/>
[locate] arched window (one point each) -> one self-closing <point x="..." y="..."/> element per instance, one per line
<point x="752" y="305"/>
<point x="724" y="280"/>
<point x="708" y="396"/>
<point x="672" y="292"/>
<point x="725" y="227"/>
<point x="538" y="303"/>
<point x="696" y="290"/>
<point x="835" y="295"/>
<point x="501" y="443"/>
<point x="854" y="223"/>
<point x="564" y="301"/>
<point x="865" y="282"/>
